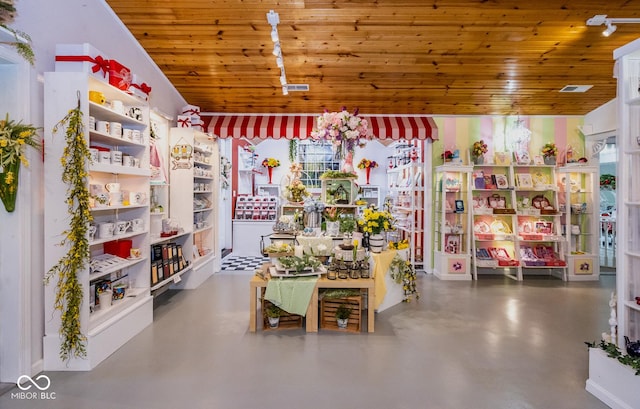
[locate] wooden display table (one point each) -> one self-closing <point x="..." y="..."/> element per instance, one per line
<point x="368" y="284"/>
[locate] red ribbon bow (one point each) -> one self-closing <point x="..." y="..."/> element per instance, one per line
<point x="142" y="87"/>
<point x="99" y="63"/>
<point x="184" y="123"/>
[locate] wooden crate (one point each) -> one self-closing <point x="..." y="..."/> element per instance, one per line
<point x="287" y="321"/>
<point x="328" y="307"/>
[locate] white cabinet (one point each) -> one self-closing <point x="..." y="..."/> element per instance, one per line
<point x="106" y="327"/>
<point x="579" y="187"/>
<point x="452" y="224"/>
<point x="628" y="212"/>
<point x="370" y="194"/>
<point x="193" y="200"/>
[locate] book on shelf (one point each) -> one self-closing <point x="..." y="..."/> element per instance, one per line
<point x="478" y="179"/>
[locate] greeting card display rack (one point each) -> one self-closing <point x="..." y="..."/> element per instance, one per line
<point x="452" y="240"/>
<point x="517" y="224"/>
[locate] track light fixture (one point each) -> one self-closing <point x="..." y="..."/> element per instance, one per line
<point x="274" y="19"/>
<point x="602" y="19"/>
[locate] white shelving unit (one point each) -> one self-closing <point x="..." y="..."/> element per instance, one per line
<point x="452" y="224"/>
<point x="580" y="187"/>
<point x="406" y="188"/>
<point x="370" y="194"/>
<point x="628" y="214"/>
<point x="193" y="200"/>
<point x="106" y="329"/>
<point x="516" y="220"/>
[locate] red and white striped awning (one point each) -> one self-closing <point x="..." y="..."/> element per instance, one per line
<point x="383" y="127"/>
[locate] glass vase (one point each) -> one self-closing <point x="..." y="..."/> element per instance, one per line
<point x="9" y="185"/>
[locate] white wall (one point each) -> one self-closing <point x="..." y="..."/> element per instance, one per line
<point x="73" y="21"/>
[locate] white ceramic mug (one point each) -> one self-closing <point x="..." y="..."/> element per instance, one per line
<point x="102" y="126"/>
<point x="112" y="187"/>
<point x="136" y="136"/>
<point x="101" y="199"/>
<point x="116" y="158"/>
<point x="94" y="155"/>
<point x="127" y="134"/>
<point x="105" y="157"/>
<point x="92" y="123"/>
<point x="116" y="198"/>
<point x="92" y="231"/>
<point x="136" y="162"/>
<point x="105" y="230"/>
<point x="138" y="198"/>
<point x="137" y="225"/>
<point x="135" y="253"/>
<point x="115" y="129"/>
<point x="127" y="160"/>
<point x="122" y="227"/>
<point x="117" y="106"/>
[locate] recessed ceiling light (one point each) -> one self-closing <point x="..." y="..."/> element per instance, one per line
<point x="576" y="88"/>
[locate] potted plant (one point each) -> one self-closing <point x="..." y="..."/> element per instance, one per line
<point x="478" y="150"/>
<point x="549" y="152"/>
<point x="273" y="315"/>
<point x="332" y="217"/>
<point x="342" y="315"/>
<point x="374" y="222"/>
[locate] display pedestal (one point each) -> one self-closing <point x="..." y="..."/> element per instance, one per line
<point x="394" y="293"/>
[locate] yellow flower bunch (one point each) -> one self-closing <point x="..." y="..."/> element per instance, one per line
<point x="271" y="163"/>
<point x="375" y="221"/>
<point x="401" y="245"/>
<point x="479" y="148"/>
<point x="366" y="163"/>
<point x="13" y="139"/>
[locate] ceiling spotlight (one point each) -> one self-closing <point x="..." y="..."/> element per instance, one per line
<point x="277" y="51"/>
<point x="279" y="62"/>
<point x="285" y="90"/>
<point x="609" y="30"/>
<point x="283" y="80"/>
<point x="602" y="19"/>
<point x="273" y="18"/>
<point x="274" y="34"/>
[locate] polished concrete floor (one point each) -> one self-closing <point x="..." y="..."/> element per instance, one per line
<point x="490" y="344"/>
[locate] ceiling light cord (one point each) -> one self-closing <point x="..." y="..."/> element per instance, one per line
<point x="274" y="19"/>
<point x="602" y="19"/>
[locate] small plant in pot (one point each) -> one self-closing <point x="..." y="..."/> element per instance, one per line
<point x="273" y="315"/>
<point x="342" y="315"/>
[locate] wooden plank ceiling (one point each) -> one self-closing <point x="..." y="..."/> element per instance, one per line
<point x="387" y="56"/>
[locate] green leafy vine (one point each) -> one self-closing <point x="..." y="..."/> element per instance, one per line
<point x="613" y="351"/>
<point x="402" y="272"/>
<point x="293" y="150"/>
<point x="68" y="288"/>
<point x="24" y="49"/>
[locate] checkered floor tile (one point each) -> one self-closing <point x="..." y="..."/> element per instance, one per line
<point x="242" y="263"/>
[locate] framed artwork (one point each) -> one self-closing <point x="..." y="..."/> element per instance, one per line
<point x="523" y="158"/>
<point x="459" y="206"/>
<point x="544" y="227"/>
<point x="538" y="160"/>
<point x="503" y="158"/>
<point x="502" y="182"/>
<point x="524" y="180"/>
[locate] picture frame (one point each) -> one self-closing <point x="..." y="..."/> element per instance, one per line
<point x="523" y="158"/>
<point x="503" y="158"/>
<point x="543" y="227"/>
<point x="538" y="160"/>
<point x="452" y="244"/>
<point x="501" y="181"/>
<point x="459" y="206"/>
<point x="524" y="180"/>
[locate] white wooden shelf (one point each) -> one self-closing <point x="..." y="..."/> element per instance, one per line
<point x="171" y="279"/>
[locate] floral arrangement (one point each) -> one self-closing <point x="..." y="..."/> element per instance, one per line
<point x="336" y="174"/>
<point x="402" y="272"/>
<point x="367" y="164"/>
<point x="279" y="247"/>
<point x="479" y="148"/>
<point x="344" y="130"/>
<point x="271" y="163"/>
<point x="400" y="245"/>
<point x="332" y="214"/>
<point x="296" y="191"/>
<point x="14" y="137"/>
<point x="298" y="264"/>
<point x="549" y="149"/>
<point x="312" y="205"/>
<point x="69" y="292"/>
<point x="447" y="155"/>
<point x="320" y="250"/>
<point x="375" y="221"/>
<point x="608" y="181"/>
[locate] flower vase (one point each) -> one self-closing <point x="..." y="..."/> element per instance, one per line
<point x="478" y="160"/>
<point x="376" y="242"/>
<point x="368" y="173"/>
<point x="270" y="172"/>
<point x="9" y="185"/>
<point x="549" y="160"/>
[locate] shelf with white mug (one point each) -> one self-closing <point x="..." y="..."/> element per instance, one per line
<point x="133" y="297"/>
<point x="121" y="264"/>
<point x="105" y="113"/>
<point x="119" y="169"/>
<point x="105" y="138"/>
<point x="102" y="240"/>
<point x="120" y="207"/>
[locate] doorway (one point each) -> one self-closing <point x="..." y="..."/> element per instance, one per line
<point x="608" y="157"/>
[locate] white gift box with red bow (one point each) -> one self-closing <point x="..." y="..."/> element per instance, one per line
<point x="184" y="121"/>
<point x="119" y="75"/>
<point x="82" y="58"/>
<point x="139" y="87"/>
<point x="191" y="110"/>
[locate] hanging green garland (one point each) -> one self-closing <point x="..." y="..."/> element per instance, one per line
<point x="69" y="289"/>
<point x="402" y="272"/>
